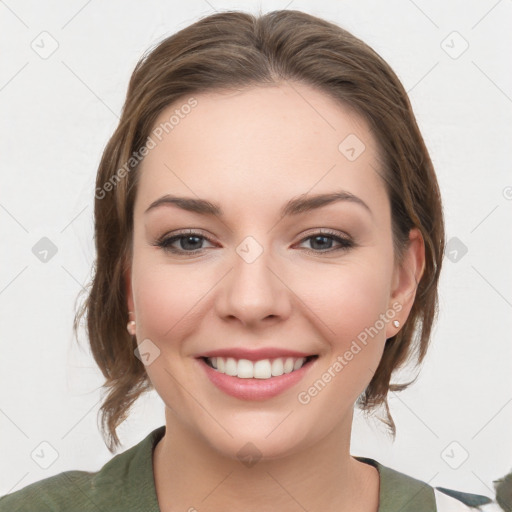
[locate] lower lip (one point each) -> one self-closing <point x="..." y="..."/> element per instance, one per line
<point x="255" y="389"/>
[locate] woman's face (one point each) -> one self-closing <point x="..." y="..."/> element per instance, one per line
<point x="319" y="281"/>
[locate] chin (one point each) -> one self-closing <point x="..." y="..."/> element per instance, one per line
<point x="254" y="440"/>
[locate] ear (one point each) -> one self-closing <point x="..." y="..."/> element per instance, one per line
<point x="406" y="276"/>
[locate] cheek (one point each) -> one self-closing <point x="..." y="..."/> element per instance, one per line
<point x="350" y="302"/>
<point x="346" y="299"/>
<point x="350" y="309"/>
<point x="362" y="302"/>
<point x="166" y="298"/>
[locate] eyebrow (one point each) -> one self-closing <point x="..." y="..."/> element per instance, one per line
<point x="294" y="206"/>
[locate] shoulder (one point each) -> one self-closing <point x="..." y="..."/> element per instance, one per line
<point x="450" y="500"/>
<point x="399" y="491"/>
<point x="58" y="492"/>
<point x="124" y="483"/>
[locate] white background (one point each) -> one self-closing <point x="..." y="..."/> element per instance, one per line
<point x="56" y="117"/>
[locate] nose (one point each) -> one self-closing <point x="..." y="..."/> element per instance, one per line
<point x="253" y="292"/>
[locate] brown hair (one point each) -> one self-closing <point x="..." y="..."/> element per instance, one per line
<point x="230" y="50"/>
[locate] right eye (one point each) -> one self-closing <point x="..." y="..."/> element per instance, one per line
<point x="188" y="241"/>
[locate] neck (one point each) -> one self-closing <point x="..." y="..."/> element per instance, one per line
<point x="190" y="474"/>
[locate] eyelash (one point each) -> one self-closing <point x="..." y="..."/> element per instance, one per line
<point x="165" y="242"/>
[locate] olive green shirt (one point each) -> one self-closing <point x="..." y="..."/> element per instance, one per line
<point x="126" y="484"/>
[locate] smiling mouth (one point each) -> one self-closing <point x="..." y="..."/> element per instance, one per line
<point x="261" y="369"/>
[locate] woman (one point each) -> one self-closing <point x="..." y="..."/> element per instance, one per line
<point x="269" y="237"/>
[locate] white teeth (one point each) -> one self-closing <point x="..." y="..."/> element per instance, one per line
<point x="262" y="369"/>
<point x="288" y="365"/>
<point x="245" y="369"/>
<point x="277" y="367"/>
<point x="298" y="364"/>
<point x="231" y="367"/>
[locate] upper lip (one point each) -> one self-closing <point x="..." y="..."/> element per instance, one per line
<point x="254" y="354"/>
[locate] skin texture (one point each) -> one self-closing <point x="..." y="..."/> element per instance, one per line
<point x="250" y="151"/>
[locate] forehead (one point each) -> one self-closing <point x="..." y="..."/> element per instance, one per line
<point x="258" y="143"/>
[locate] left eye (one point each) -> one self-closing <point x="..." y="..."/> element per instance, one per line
<point x="319" y="240"/>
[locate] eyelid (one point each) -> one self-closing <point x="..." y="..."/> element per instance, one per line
<point x="325" y="231"/>
<point x="184" y="232"/>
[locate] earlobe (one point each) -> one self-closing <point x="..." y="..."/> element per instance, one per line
<point x="406" y="279"/>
